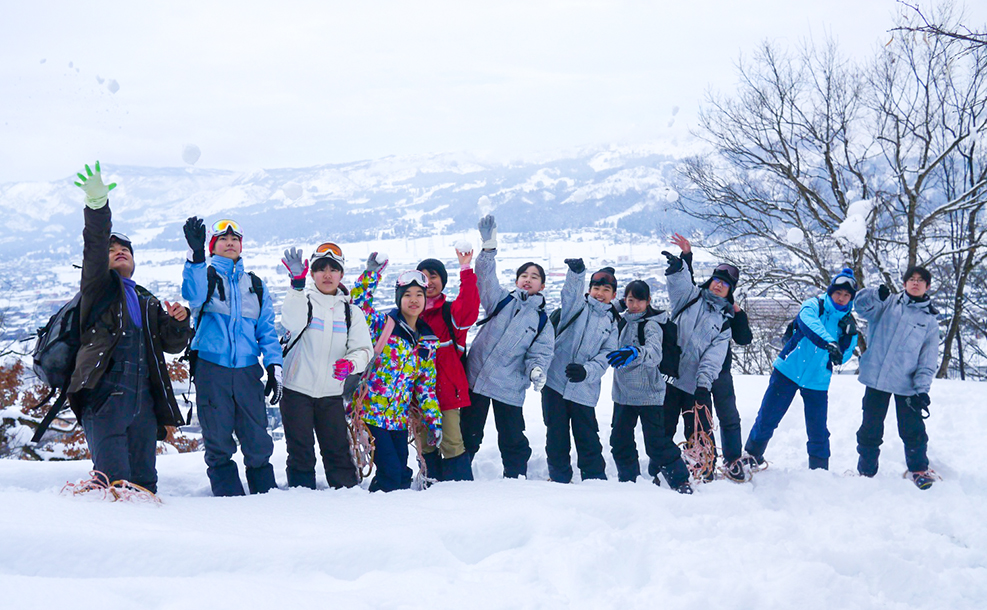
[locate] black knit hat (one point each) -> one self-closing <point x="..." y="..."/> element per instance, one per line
<point x="436" y="267"/>
<point x="604" y="277"/>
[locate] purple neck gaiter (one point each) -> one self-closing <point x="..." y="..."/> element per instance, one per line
<point x="133" y="306"/>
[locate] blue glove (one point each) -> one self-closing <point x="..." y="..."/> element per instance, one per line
<point x="622" y="356"/>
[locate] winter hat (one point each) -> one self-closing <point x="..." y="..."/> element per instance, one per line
<point x="436" y="267"/>
<point x="224" y="227"/>
<point x="524" y="267"/>
<point x="726" y="273"/>
<point x="844" y="280"/>
<point x="123" y="240"/>
<point x="604" y="277"/>
<point x="406" y="280"/>
<point x="922" y="271"/>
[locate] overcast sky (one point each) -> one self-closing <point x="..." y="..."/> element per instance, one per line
<point x="295" y="84"/>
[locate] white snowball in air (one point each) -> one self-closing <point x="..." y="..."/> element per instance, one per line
<point x="794" y="236"/>
<point x="381" y="258"/>
<point x="191" y="154"/>
<point x="292" y="190"/>
<point x="464" y="246"/>
<point x="112" y="85"/>
<point x="484" y="206"/>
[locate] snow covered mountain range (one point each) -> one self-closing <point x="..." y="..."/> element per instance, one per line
<point x="628" y="188"/>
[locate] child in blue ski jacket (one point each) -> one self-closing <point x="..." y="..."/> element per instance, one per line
<point x="824" y="335"/>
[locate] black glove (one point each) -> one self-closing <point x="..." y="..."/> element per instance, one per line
<point x="703" y="396"/>
<point x="835" y="354"/>
<point x="576" y="264"/>
<point x="920" y="404"/>
<point x="274" y="384"/>
<point x="575" y="372"/>
<point x="848" y="325"/>
<point x="883" y="292"/>
<point x="674" y="262"/>
<point x="195" y="236"/>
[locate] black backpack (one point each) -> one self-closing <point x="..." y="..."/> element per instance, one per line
<point x="790" y="329"/>
<point x="671" y="353"/>
<point x="54" y="356"/>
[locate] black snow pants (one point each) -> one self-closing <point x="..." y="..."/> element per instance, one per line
<point x="561" y="414"/>
<point x="307" y="419"/>
<point x="911" y="429"/>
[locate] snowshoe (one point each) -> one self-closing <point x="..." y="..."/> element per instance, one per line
<point x="684" y="489"/>
<point x="735" y="472"/>
<point x="754" y="463"/>
<point x="922" y="479"/>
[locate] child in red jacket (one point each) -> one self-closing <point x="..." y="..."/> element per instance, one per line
<point x="450" y="320"/>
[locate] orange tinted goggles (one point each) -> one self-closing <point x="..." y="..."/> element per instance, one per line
<point x="222" y="226"/>
<point x="329" y="250"/>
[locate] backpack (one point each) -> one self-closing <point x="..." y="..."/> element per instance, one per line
<point x="671" y="353"/>
<point x="287" y="343"/>
<point x="790" y="329"/>
<point x="213" y="284"/>
<point x="54" y="356"/>
<point x="542" y="317"/>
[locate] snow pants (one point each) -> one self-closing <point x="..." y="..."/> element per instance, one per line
<point x="561" y="415"/>
<point x="306" y="419"/>
<point x="659" y="446"/>
<point x="232" y="400"/>
<point x="449" y="462"/>
<point x="509" y="419"/>
<point x="911" y="429"/>
<point x="725" y="405"/>
<point x="118" y="419"/>
<point x="777" y="399"/>
<point x="391" y="470"/>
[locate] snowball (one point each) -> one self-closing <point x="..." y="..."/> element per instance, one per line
<point x="381" y="258"/>
<point x="484" y="205"/>
<point x="794" y="236"/>
<point x="43" y="60"/>
<point x="292" y="190"/>
<point x="191" y="152"/>
<point x="860" y="208"/>
<point x="112" y="85"/>
<point x="464" y="246"/>
<point x="854" y="230"/>
<point x="99" y="79"/>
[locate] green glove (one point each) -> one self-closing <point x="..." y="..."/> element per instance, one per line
<point x="92" y="185"/>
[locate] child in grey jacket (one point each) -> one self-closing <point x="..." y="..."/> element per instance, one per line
<point x="902" y="352"/>
<point x="511" y="351"/>
<point x="638" y="392"/>
<point x="587" y="332"/>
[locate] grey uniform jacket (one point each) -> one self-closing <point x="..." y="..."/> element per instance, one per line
<point x="704" y="335"/>
<point x="586" y="341"/>
<point x="639" y="383"/>
<point x="902" y="343"/>
<point x="508" y="346"/>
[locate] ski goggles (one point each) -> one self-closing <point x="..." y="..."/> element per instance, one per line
<point x="221" y="227"/>
<point x="120" y="237"/>
<point x="845" y="283"/>
<point x="412" y="277"/>
<point x="728" y="270"/>
<point x="329" y="250"/>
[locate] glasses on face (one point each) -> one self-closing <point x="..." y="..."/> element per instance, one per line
<point x="329" y="250"/>
<point x="413" y="277"/>
<point x="226" y="225"/>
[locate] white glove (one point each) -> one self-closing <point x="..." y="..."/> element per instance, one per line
<point x="488" y="232"/>
<point x="538" y="378"/>
<point x="437" y="436"/>
<point x="92" y="185"/>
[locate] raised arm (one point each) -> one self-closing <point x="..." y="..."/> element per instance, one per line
<point x="573" y="290"/>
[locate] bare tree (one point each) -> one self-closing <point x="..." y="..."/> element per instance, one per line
<point x="915" y="22"/>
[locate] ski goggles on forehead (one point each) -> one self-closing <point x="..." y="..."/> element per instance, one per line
<point x="412" y="277"/>
<point x="329" y="250"/>
<point x="223" y="226"/>
<point x="732" y="272"/>
<point x="845" y="282"/>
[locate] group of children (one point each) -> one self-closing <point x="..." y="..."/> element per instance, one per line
<point x="405" y="370"/>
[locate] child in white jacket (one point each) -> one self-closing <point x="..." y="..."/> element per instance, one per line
<point x="328" y="340"/>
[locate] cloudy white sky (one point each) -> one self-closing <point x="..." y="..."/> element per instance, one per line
<point x="294" y="84"/>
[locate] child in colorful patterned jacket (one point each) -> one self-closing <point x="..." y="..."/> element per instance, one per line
<point x="401" y="379"/>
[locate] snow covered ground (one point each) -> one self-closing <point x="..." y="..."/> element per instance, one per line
<point x="791" y="538"/>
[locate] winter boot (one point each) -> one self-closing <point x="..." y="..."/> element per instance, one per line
<point x="433" y="463"/>
<point x="261" y="480"/>
<point x="677" y="476"/>
<point x="225" y="480"/>
<point x="923" y="480"/>
<point x="734" y="471"/>
<point x="818" y="463"/>
<point x="457" y="468"/>
<point x="297" y="478"/>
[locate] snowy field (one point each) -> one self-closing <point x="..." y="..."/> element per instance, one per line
<point x="791" y="538"/>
